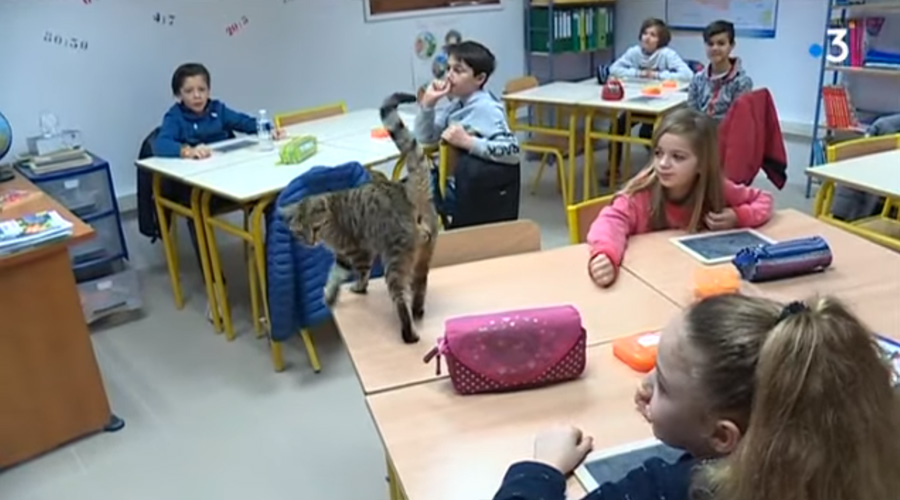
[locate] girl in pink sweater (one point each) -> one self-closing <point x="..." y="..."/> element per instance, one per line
<point x="682" y="188"/>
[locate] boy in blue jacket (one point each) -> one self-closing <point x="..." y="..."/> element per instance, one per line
<point x="196" y="120"/>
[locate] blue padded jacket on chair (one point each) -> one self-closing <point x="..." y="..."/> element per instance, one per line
<point x="297" y="273"/>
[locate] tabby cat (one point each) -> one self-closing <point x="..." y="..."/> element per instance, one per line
<point x="395" y="221"/>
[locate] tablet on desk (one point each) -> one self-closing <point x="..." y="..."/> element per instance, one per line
<point x="613" y="464"/>
<point x="720" y="246"/>
<point x="234" y="146"/>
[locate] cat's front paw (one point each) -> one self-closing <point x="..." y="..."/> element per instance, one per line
<point x="331" y="295"/>
<point x="409" y="336"/>
<point x="418" y="312"/>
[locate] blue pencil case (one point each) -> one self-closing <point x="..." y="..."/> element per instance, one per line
<point x="783" y="259"/>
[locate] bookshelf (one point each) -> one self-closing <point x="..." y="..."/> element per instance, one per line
<point x="861" y="18"/>
<point x="561" y="31"/>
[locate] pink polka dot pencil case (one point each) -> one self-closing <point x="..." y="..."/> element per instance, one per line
<point x="512" y="350"/>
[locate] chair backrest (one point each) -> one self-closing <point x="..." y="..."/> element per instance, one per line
<point x="695" y="65"/>
<point x="309" y="114"/>
<point x="146" y="209"/>
<point x="861" y="147"/>
<point x="487" y="241"/>
<point x="580" y="216"/>
<point x="520" y="84"/>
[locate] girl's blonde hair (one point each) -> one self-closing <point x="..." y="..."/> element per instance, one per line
<point x="701" y="133"/>
<point x="811" y="391"/>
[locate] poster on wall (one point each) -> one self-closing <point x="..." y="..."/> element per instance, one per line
<point x="429" y="51"/>
<point x="751" y="18"/>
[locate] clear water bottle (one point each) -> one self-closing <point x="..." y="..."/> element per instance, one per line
<point x="264" y="131"/>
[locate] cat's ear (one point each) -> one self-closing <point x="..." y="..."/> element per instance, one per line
<point x="290" y="214"/>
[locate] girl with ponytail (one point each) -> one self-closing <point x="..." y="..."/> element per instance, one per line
<point x="770" y="402"/>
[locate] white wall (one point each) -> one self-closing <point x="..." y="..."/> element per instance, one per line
<point x="291" y="54"/>
<point x="782" y="64"/>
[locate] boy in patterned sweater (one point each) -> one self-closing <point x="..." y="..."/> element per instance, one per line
<point x="714" y="90"/>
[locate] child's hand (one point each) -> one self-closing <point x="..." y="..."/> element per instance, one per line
<point x="434" y="92"/>
<point x="643" y="395"/>
<point x="718" y="221"/>
<point x="457" y="136"/>
<point x="279" y="133"/>
<point x="601" y="270"/>
<point x="649" y="73"/>
<point x="196" y="153"/>
<point x="562" y="448"/>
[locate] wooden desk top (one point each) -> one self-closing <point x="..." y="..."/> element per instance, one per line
<point x="864" y="275"/>
<point x="449" y="447"/>
<point x="80" y="232"/>
<point x="371" y="330"/>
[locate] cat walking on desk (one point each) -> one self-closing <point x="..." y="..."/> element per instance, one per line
<point x="395" y="221"/>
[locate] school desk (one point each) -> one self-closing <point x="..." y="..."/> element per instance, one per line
<point x="864" y="275"/>
<point x="371" y="330"/>
<point x="51" y="390"/>
<point x="252" y="178"/>
<point x="442" y="446"/>
<point x="877" y="174"/>
<point x="584" y="98"/>
<point x="638" y="108"/>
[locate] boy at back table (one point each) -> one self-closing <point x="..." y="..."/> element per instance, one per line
<point x="474" y="121"/>
<point x="653" y="59"/>
<point x="714" y="90"/>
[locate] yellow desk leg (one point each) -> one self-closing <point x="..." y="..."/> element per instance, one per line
<point x="250" y="262"/>
<point x="395" y="488"/>
<point x="569" y="191"/>
<point x="311" y="350"/>
<point x="166" y="224"/>
<point x="257" y="223"/>
<point x="824" y="199"/>
<point x="216" y="279"/>
<point x="588" y="176"/>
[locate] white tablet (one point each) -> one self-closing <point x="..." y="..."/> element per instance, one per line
<point x="233" y="146"/>
<point x="613" y="464"/>
<point x="891" y="350"/>
<point x="720" y="246"/>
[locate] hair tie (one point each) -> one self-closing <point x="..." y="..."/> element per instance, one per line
<point x="791" y="309"/>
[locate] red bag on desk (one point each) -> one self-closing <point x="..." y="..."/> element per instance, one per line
<point x="512" y="350"/>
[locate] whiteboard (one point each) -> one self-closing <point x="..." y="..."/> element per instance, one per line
<point x="751" y="18"/>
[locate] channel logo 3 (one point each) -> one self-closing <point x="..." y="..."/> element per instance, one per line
<point x="838" y="37"/>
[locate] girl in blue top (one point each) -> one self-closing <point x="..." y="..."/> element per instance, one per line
<point x="196" y="120"/>
<point x="769" y="401"/>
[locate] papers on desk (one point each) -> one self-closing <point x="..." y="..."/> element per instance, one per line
<point x="32" y="230"/>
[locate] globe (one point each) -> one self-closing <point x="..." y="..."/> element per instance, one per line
<point x="5" y="136"/>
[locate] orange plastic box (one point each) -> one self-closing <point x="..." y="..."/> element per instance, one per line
<point x="638" y="351"/>
<point x="718" y="280"/>
<point x="380" y="133"/>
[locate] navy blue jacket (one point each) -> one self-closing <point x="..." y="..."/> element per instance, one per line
<point x="297" y="273"/>
<point x="654" y="480"/>
<point x="182" y="126"/>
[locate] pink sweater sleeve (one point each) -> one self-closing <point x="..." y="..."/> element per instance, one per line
<point x="753" y="206"/>
<point x="610" y="230"/>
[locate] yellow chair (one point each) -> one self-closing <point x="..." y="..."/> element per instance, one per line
<point x="881" y="228"/>
<point x="580" y="216"/>
<point x="309" y="114"/>
<point x="544" y="143"/>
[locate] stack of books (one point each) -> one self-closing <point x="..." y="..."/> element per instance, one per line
<point x="32" y="230"/>
<point x="63" y="159"/>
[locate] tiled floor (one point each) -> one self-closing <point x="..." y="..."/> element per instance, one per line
<point x="209" y="419"/>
